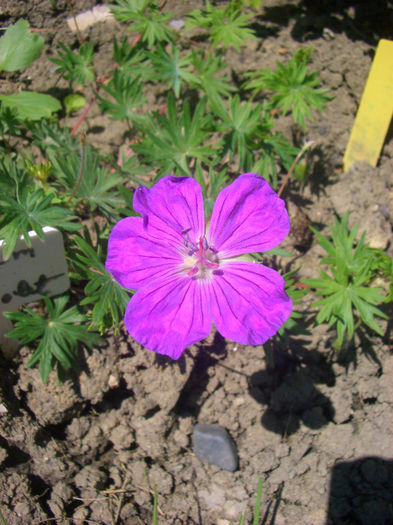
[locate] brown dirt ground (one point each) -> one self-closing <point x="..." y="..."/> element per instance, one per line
<point x="319" y="430"/>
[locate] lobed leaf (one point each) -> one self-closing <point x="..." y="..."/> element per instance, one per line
<point x="61" y="333"/>
<point x="19" y="47"/>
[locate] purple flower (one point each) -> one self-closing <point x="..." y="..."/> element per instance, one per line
<point x="190" y="275"/>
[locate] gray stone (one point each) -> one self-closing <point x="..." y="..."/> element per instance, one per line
<point x="213" y="444"/>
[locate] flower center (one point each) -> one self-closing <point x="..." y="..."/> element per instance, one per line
<point x="201" y="259"/>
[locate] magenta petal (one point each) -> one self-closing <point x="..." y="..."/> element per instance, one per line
<point x="135" y="258"/>
<point x="249" y="303"/>
<point x="170" y="314"/>
<point x="171" y="209"/>
<point x="247" y="217"/>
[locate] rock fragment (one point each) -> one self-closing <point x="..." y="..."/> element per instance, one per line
<point x="88" y="18"/>
<point x="213" y="444"/>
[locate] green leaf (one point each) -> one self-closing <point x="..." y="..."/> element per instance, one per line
<point x="9" y="121"/>
<point x="82" y="175"/>
<point x="214" y="87"/>
<point x="172" y="69"/>
<point x="129" y="57"/>
<point x="153" y="26"/>
<point x="76" y="66"/>
<point x="146" y="18"/>
<point x="126" y="95"/>
<point x="30" y="105"/>
<point x="19" y="47"/>
<point x="125" y="10"/>
<point x="172" y="142"/>
<point x="348" y="297"/>
<point x="60" y="333"/>
<point x="74" y="102"/>
<point x="367" y="313"/>
<point x="256" y="4"/>
<point x="30" y="209"/>
<point x="270" y="147"/>
<point x="108" y="297"/>
<point x="240" y="124"/>
<point x="227" y="26"/>
<point x="51" y="138"/>
<point x="279" y="252"/>
<point x="293" y="88"/>
<point x="296" y="293"/>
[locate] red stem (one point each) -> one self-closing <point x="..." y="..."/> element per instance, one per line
<point x="82" y="117"/>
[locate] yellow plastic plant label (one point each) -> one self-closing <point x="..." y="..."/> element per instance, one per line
<point x="375" y="110"/>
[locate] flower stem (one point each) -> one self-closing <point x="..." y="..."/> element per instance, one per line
<point x="82" y="117"/>
<point x="81" y="168"/>
<point x="304" y="149"/>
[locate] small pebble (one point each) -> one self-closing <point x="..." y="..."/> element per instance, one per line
<point x="176" y="24"/>
<point x="89" y="18"/>
<point x="113" y="381"/>
<point x="213" y="444"/>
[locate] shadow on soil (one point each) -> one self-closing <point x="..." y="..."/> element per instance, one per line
<point x="190" y="398"/>
<point x="360" y="20"/>
<point x="287" y="391"/>
<point x="361" y="492"/>
<point x="290" y="393"/>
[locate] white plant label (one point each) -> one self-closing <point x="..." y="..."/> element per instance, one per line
<point x="32" y="272"/>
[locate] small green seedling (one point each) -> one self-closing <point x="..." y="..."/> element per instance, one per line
<point x="349" y="299"/>
<point x="293" y="88"/>
<point x="76" y="66"/>
<point x="257" y="508"/>
<point x="226" y="27"/>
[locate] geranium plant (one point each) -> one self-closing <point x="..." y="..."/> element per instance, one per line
<point x="189" y="265"/>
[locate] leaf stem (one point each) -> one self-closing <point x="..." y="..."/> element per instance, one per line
<point x="104" y="80"/>
<point x="81" y="168"/>
<point x="78" y="32"/>
<point x="82" y="117"/>
<point x="304" y="149"/>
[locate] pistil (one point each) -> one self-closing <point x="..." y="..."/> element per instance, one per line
<point x="203" y="259"/>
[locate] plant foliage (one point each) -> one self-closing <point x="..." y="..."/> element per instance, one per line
<point x="348" y="298"/>
<point x="126" y="95"/>
<point x="19" y="47"/>
<point x="293" y="87"/>
<point x="172" y="142"/>
<point x="107" y="297"/>
<point x="27" y="207"/>
<point x="76" y="66"/>
<point x="146" y="18"/>
<point x="226" y="26"/>
<point x="172" y="69"/>
<point x="200" y="123"/>
<point x="59" y="333"/>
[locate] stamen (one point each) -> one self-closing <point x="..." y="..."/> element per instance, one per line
<point x="193" y="271"/>
<point x="203" y="259"/>
<point x="211" y="264"/>
<point x="188" y="244"/>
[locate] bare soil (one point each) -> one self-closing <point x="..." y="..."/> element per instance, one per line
<point x="317" y="427"/>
